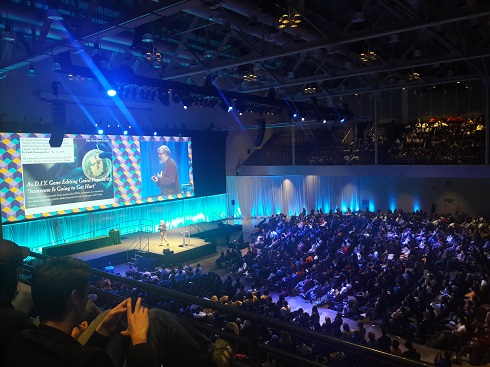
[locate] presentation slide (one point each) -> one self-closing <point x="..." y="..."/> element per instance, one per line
<point x="90" y="172"/>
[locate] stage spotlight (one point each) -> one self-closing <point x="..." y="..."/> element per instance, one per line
<point x="55" y="87"/>
<point x="176" y="97"/>
<point x="100" y="131"/>
<point x="125" y="132"/>
<point x="342" y="120"/>
<point x="324" y="121"/>
<point x="230" y="108"/>
<point x="185" y="102"/>
<point x="32" y="71"/>
<point x="155" y="133"/>
<point x="163" y="97"/>
<point x="111" y="92"/>
<point x="295" y="115"/>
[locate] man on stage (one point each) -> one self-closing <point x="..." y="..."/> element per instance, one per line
<point x="163" y="233"/>
<point x="168" y="178"/>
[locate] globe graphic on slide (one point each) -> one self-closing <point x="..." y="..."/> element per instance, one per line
<point x="95" y="167"/>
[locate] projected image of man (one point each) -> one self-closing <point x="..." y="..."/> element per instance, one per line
<point x="168" y="178"/>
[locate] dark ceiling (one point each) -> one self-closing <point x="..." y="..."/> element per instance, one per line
<point x="199" y="40"/>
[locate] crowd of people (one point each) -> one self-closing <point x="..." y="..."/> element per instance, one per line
<point x="451" y="140"/>
<point x="431" y="141"/>
<point x="417" y="275"/>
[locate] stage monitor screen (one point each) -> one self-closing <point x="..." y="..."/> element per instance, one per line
<point x="90" y="172"/>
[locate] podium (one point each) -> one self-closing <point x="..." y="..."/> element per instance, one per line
<point x="115" y="236"/>
<point x="186" y="235"/>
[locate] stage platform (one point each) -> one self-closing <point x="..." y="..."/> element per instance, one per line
<point x="200" y="240"/>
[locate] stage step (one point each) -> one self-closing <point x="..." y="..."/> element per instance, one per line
<point x="222" y="230"/>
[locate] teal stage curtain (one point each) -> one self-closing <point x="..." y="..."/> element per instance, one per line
<point x="259" y="196"/>
<point x="40" y="233"/>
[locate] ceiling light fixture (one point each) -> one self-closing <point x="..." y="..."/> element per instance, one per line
<point x="147" y="38"/>
<point x="54" y="14"/>
<point x="368" y="56"/>
<point x="32" y="71"/>
<point x="215" y="16"/>
<point x="358" y="17"/>
<point x="394" y="38"/>
<point x="417" y="53"/>
<point x="155" y="57"/>
<point x="250" y="76"/>
<point x="309" y="88"/>
<point x="413" y="76"/>
<point x="289" y="19"/>
<point x="8" y="34"/>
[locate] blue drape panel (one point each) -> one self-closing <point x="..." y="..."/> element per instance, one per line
<point x="36" y="234"/>
<point x="258" y="196"/>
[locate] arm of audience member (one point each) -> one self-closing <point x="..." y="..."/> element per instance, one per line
<point x="140" y="353"/>
<point x="79" y="329"/>
<point x="108" y="325"/>
<point x="138" y="322"/>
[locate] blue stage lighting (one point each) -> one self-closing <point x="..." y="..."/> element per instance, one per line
<point x="125" y="132"/>
<point x="342" y="120"/>
<point x="111" y="92"/>
<point x="230" y="108"/>
<point x="100" y="131"/>
<point x="295" y="115"/>
<point x="155" y="133"/>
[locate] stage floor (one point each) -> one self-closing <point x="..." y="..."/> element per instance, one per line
<point x="174" y="236"/>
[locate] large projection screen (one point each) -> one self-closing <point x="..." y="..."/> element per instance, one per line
<point x="90" y="172"/>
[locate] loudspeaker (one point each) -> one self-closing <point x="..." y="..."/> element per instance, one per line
<point x="146" y="263"/>
<point x="58" y="114"/>
<point x="260" y="132"/>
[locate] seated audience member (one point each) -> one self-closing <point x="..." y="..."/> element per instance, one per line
<point x="384" y="341"/>
<point x="11" y="320"/>
<point x="60" y="294"/>
<point x="410" y="352"/>
<point x="371" y="342"/>
<point x="443" y="359"/>
<point x="395" y="348"/>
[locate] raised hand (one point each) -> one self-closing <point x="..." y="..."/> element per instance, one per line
<point x="79" y="329"/>
<point x="108" y="325"/>
<point x="138" y="322"/>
